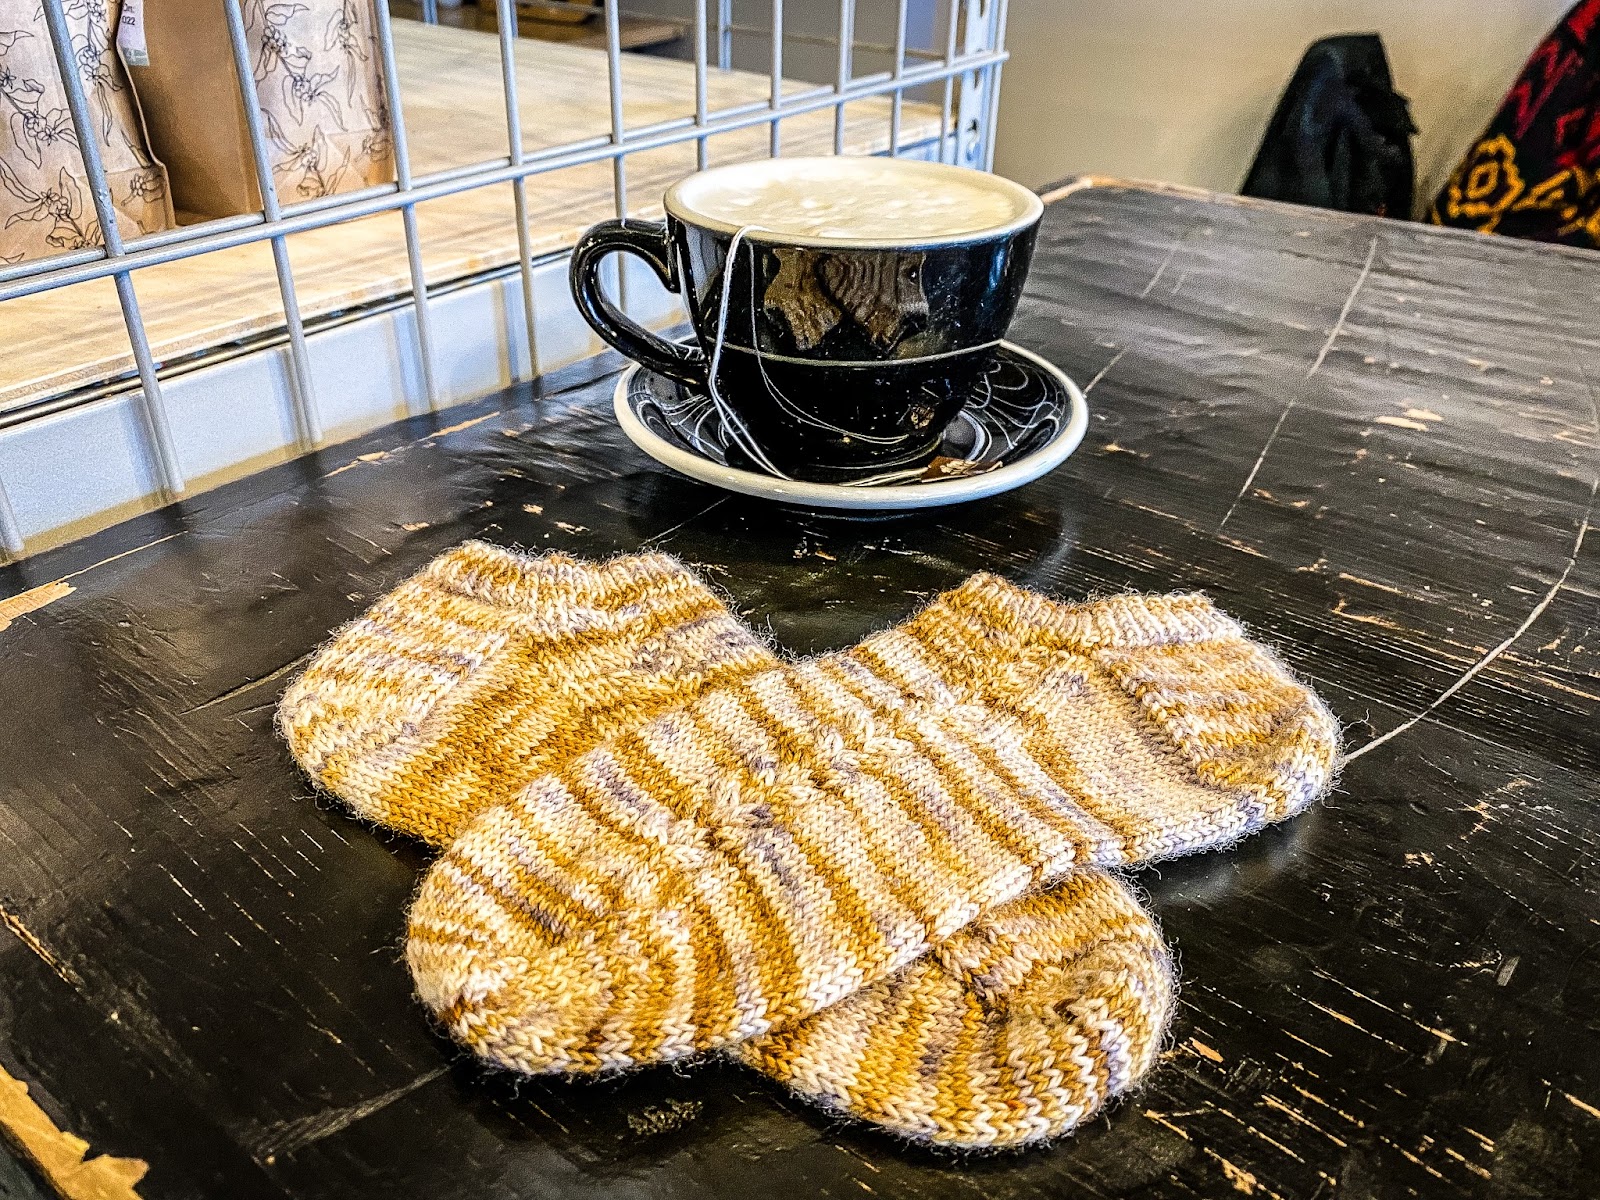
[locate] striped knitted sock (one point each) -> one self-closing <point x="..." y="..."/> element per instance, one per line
<point x="488" y="667"/>
<point x="479" y="673"/>
<point x="1064" y="1004"/>
<point x="748" y="860"/>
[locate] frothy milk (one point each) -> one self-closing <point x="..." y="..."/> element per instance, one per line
<point x="868" y="199"/>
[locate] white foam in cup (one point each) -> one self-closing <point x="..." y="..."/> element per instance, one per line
<point x="881" y="201"/>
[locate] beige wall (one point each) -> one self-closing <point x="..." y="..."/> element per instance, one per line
<point x="1182" y="90"/>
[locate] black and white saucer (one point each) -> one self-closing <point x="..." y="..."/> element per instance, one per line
<point x="1025" y="418"/>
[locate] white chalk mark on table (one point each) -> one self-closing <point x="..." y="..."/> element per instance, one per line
<point x="1478" y="667"/>
<point x="1162" y="269"/>
<point x="1344" y="315"/>
<point x="1105" y="370"/>
<point x="285" y="1137"/>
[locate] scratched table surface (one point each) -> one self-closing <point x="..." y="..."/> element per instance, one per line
<point x="1373" y="442"/>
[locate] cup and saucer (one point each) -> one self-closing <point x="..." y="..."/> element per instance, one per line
<point x="849" y="317"/>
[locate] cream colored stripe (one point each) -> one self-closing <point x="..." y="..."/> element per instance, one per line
<point x="1048" y="798"/>
<point x="736" y="935"/>
<point x="926" y="858"/>
<point x="953" y="736"/>
<point x="868" y="751"/>
<point x="838" y="824"/>
<point x="678" y="747"/>
<point x="902" y="659"/>
<point x="835" y="844"/>
<point x="781" y="866"/>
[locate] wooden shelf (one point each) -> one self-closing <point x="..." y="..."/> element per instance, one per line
<point x="638" y="33"/>
<point x="450" y="78"/>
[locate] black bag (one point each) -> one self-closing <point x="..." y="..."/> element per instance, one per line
<point x="1341" y="137"/>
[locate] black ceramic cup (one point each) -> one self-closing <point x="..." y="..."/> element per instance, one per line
<point x="844" y="351"/>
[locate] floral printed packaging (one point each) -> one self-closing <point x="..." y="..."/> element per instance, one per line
<point x="317" y="74"/>
<point x="45" y="204"/>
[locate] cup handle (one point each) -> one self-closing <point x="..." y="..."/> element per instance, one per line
<point x="650" y="241"/>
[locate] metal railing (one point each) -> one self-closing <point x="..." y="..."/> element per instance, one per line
<point x="964" y="73"/>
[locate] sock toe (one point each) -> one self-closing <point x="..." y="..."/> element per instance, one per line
<point x="1166" y="728"/>
<point x="1015" y="1031"/>
<point x="351" y="716"/>
<point x="512" y="974"/>
<point x="551" y="937"/>
<point x="1234" y="713"/>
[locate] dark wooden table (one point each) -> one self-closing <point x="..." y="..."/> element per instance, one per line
<point x="1373" y="442"/>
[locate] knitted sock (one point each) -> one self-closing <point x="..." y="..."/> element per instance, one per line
<point x="745" y="861"/>
<point x="1065" y="1003"/>
<point x="479" y="673"/>
<point x="488" y="667"/>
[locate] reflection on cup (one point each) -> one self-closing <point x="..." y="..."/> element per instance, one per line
<point x="865" y="297"/>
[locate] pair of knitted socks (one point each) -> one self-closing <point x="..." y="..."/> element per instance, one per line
<point x="662" y="840"/>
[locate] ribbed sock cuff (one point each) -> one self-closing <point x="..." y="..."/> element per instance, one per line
<point x="509" y="579"/>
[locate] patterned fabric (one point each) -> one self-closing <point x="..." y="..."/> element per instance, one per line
<point x="45" y="204"/>
<point x="1016" y="1030"/>
<point x="1064" y="997"/>
<point x="321" y="90"/>
<point x="830" y="867"/>
<point x="489" y="668"/>
<point x="1535" y="172"/>
<point x="753" y="857"/>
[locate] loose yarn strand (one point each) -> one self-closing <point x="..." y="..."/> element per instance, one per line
<point x="731" y="421"/>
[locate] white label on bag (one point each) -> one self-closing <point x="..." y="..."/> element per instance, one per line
<point x="130" y="34"/>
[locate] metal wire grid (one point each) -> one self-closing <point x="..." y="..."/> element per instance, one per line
<point x="973" y="55"/>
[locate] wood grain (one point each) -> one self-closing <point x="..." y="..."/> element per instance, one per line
<point x="1393" y="995"/>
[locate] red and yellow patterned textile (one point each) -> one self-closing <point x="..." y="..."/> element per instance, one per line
<point x="1535" y="172"/>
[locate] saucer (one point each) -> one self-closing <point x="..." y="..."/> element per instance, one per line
<point x="1024" y="419"/>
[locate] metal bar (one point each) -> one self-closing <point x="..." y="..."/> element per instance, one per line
<point x="430" y="11"/>
<point x="308" y="427"/>
<point x="619" y="169"/>
<point x="949" y="80"/>
<point x="307" y="421"/>
<point x="64" y="262"/>
<point x="775" y="139"/>
<point x="157" y="426"/>
<point x="211" y="235"/>
<point x="792" y="101"/>
<point x="992" y="121"/>
<point x="11" y="540"/>
<point x="185" y="234"/>
<point x="847" y="33"/>
<point x="507" y="20"/>
<point x="724" y="35"/>
<point x="818" y="39"/>
<point x="895" y="102"/>
<point x="403" y="198"/>
<point x="977" y="28"/>
<point x="421" y="308"/>
<point x="700" y="81"/>
<point x="423" y="191"/>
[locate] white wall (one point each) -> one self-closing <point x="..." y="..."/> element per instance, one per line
<point x="1181" y="90"/>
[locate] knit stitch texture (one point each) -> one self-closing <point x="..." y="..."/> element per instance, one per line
<point x="489" y="667"/>
<point x="1064" y="1004"/>
<point x="772" y="848"/>
<point x="475" y="676"/>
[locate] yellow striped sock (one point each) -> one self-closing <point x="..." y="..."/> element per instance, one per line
<point x="489" y="667"/>
<point x="475" y="676"/>
<point x="1065" y="1003"/>
<point x="774" y="847"/>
